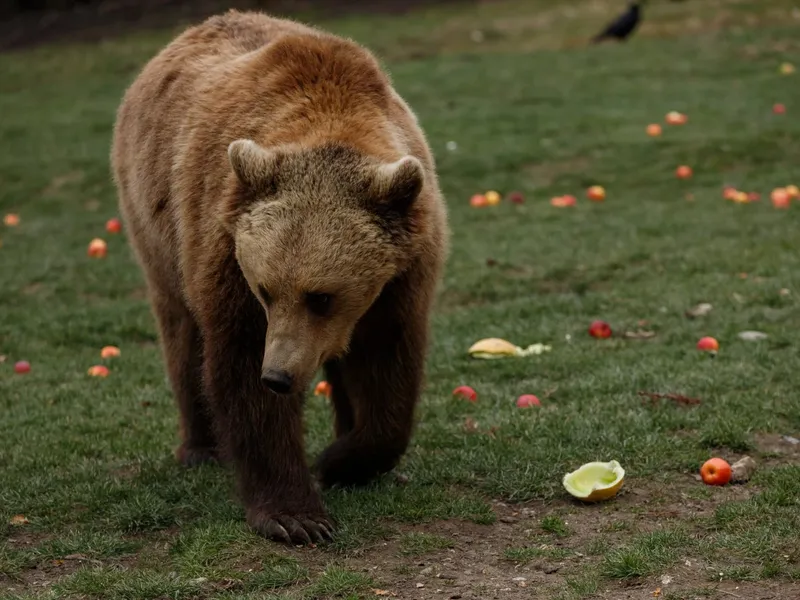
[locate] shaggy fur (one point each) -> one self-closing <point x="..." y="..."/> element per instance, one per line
<point x="269" y="173"/>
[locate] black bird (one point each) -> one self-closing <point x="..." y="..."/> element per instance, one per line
<point x="623" y="25"/>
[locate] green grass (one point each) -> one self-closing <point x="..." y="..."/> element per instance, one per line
<point x="89" y="461"/>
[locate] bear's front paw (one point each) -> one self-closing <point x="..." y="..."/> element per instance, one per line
<point x="296" y="529"/>
<point x="192" y="456"/>
<point x="347" y="462"/>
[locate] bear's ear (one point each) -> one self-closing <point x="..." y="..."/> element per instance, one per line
<point x="396" y="185"/>
<point x="255" y="166"/>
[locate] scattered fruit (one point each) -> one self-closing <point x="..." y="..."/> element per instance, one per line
<point x="490" y="348"/>
<point x="18" y="521"/>
<point x="596" y="193"/>
<point x="110" y="352"/>
<point x="492" y="198"/>
<point x="113" y="225"/>
<point x="715" y="471"/>
<point x="563" y="201"/>
<point x="11" y="220"/>
<point x="741" y="198"/>
<point x="97" y="248"/>
<point x="600" y="329"/>
<point x="654" y="130"/>
<point x="787" y="68"/>
<point x="98" y="371"/>
<point x="676" y="118"/>
<point x="779" y="109"/>
<point x="753" y="196"/>
<point x="478" y="201"/>
<point x="780" y="198"/>
<point x="464" y="391"/>
<point x="793" y="191"/>
<point x="527" y="401"/>
<point x="516" y="197"/>
<point x="683" y="172"/>
<point x="595" y="481"/>
<point x="323" y="388"/>
<point x="708" y="344"/>
<point x="21" y="367"/>
<point x="729" y="192"/>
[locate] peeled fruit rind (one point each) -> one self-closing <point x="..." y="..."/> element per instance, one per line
<point x="595" y="481"/>
<point x="497" y="348"/>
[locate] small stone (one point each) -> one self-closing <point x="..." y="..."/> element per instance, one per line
<point x="550" y="569"/>
<point x="742" y="470"/>
<point x="426" y="571"/>
<point x="508" y="520"/>
<point x="752" y="336"/>
<point x="790" y="440"/>
<point x="446" y="575"/>
<point x="420" y="585"/>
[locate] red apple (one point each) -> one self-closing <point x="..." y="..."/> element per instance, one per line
<point x="708" y="344"/>
<point x="683" y="172"/>
<point x="98" y="371"/>
<point x="676" y="118"/>
<point x="654" y="130"/>
<point x="323" y="389"/>
<point x="715" y="471"/>
<point x="11" y="220"/>
<point x="527" y="401"/>
<point x="478" y="201"/>
<point x="516" y="197"/>
<point x="22" y="367"/>
<point x="97" y="248"/>
<point x="464" y="391"/>
<point x="780" y="198"/>
<point x="779" y="109"/>
<point x="109" y="352"/>
<point x="600" y="329"/>
<point x="113" y="225"/>
<point x="596" y="193"/>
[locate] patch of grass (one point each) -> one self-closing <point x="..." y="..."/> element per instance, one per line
<point x="648" y="554"/>
<point x="554" y="525"/>
<point x="337" y="582"/>
<point x="418" y="543"/>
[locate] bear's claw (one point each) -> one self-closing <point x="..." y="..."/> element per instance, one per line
<point x="294" y="530"/>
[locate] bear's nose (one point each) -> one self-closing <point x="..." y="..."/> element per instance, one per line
<point x="279" y="382"/>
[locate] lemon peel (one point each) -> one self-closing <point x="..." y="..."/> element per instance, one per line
<point x="491" y="348"/>
<point x="595" y="481"/>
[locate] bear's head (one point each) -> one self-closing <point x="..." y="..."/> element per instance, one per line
<point x="319" y="232"/>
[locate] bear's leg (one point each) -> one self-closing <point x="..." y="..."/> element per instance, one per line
<point x="182" y="348"/>
<point x="343" y="409"/>
<point x="382" y="375"/>
<point x="261" y="432"/>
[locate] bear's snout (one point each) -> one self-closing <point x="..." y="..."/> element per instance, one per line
<point x="279" y="382"/>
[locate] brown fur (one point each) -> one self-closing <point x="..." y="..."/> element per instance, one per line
<point x="261" y="163"/>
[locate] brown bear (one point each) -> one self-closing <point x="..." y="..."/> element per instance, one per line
<point x="283" y="204"/>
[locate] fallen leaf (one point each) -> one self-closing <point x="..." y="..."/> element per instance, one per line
<point x="3" y="358"/>
<point x="742" y="470"/>
<point x="790" y="440"/>
<point x="738" y="297"/>
<point x="18" y="520"/>
<point x="656" y="592"/>
<point x="784" y="292"/>
<point x="701" y="310"/>
<point x="58" y="562"/>
<point x="677" y="398"/>
<point x="383" y="593"/>
<point x="752" y="336"/>
<point x="640" y="334"/>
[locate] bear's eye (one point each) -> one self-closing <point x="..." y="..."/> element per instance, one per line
<point x="265" y="297"/>
<point x="319" y="304"/>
